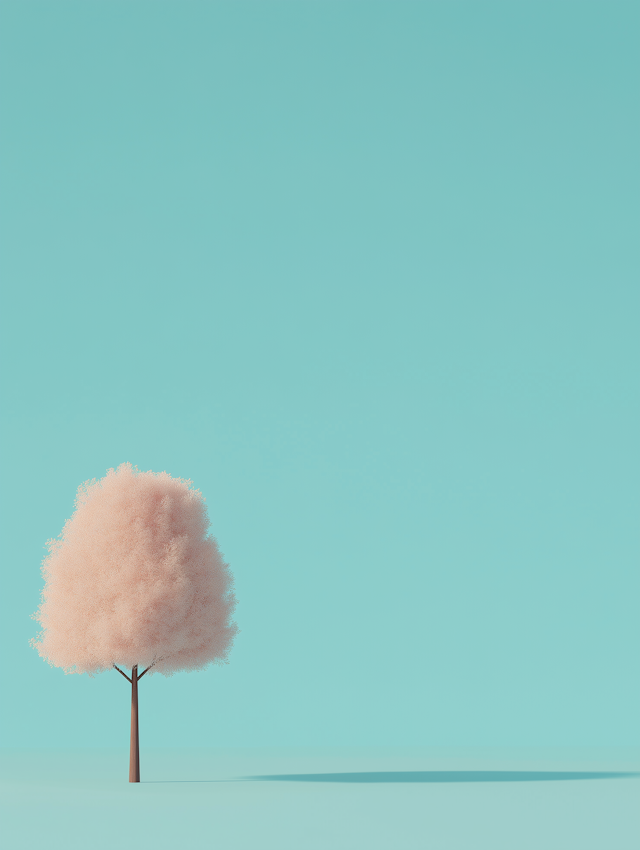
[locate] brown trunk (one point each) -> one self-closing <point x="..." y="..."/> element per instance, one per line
<point x="134" y="750"/>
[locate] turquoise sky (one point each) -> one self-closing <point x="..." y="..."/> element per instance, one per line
<point x="367" y="273"/>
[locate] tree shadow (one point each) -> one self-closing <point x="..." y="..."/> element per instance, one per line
<point x="442" y="776"/>
<point x="435" y="776"/>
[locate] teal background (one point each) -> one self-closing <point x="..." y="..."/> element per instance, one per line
<point x="367" y="273"/>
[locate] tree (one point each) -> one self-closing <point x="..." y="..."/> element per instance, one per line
<point x="134" y="581"/>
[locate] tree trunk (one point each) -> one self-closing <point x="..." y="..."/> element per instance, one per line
<point x="134" y="750"/>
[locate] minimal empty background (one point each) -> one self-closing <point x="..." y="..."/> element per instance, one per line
<point x="367" y="273"/>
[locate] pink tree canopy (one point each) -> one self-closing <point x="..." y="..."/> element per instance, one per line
<point x="134" y="579"/>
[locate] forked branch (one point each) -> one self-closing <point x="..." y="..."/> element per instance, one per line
<point x="149" y="668"/>
<point x="124" y="674"/>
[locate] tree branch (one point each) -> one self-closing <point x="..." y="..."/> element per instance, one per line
<point x="124" y="674"/>
<point x="144" y="671"/>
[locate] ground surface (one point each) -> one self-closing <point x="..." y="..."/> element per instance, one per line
<point x="333" y="799"/>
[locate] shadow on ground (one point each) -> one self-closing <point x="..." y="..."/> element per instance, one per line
<point x="429" y="776"/>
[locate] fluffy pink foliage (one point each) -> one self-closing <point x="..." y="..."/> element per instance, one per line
<point x="134" y="579"/>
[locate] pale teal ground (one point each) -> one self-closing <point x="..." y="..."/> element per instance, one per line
<point x="255" y="799"/>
